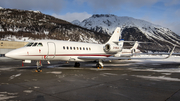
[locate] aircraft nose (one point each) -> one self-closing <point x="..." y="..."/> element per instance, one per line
<point x="9" y="55"/>
<point x="12" y="54"/>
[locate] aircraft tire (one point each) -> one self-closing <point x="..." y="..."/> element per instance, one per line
<point x="98" y="65"/>
<point x="77" y="64"/>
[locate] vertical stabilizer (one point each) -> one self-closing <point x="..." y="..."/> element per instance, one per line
<point x="136" y="44"/>
<point x="115" y="36"/>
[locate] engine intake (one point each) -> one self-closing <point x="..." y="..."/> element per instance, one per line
<point x="112" y="48"/>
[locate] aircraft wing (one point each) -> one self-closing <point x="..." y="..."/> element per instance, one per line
<point x="122" y="58"/>
<point x="103" y="58"/>
<point x="118" y="58"/>
<point x="156" y="53"/>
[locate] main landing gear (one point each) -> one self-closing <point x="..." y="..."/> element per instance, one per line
<point x="39" y="64"/>
<point x="99" y="64"/>
<point x="77" y="64"/>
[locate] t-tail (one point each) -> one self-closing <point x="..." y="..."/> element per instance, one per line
<point x="114" y="45"/>
<point x="115" y="36"/>
<point x="134" y="48"/>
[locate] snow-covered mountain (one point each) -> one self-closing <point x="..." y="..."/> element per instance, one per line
<point x="26" y="25"/>
<point x="132" y="30"/>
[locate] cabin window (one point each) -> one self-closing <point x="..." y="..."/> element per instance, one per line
<point x="29" y="44"/>
<point x="74" y="48"/>
<point x="89" y="48"/>
<point x="80" y="48"/>
<point x="83" y="48"/>
<point x="77" y="48"/>
<point x="63" y="47"/>
<point x="71" y="48"/>
<point x="1" y="42"/>
<point x="40" y="44"/>
<point x="67" y="47"/>
<point x="86" y="48"/>
<point x="34" y="44"/>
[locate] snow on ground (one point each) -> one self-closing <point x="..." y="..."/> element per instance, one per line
<point x="14" y="76"/>
<point x="5" y="96"/>
<point x="160" y="58"/>
<point x="157" y="78"/>
<point x="165" y="72"/>
<point x="28" y="91"/>
<point x="55" y="72"/>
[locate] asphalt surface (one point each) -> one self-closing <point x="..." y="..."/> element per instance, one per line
<point x="115" y="82"/>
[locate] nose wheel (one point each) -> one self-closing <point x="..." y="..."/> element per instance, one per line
<point x="39" y="64"/>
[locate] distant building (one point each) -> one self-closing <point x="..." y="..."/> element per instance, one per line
<point x="6" y="46"/>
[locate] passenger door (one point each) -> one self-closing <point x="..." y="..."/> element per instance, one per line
<point x="51" y="50"/>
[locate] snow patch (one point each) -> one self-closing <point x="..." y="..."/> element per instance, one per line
<point x="157" y="78"/>
<point x="5" y="96"/>
<point x="170" y="70"/>
<point x="5" y="68"/>
<point x="28" y="91"/>
<point x="13" y="76"/>
<point x="108" y="74"/>
<point x="55" y="72"/>
<point x="76" y="22"/>
<point x="36" y="11"/>
<point x="14" y="38"/>
<point x="1" y="8"/>
<point x="36" y="87"/>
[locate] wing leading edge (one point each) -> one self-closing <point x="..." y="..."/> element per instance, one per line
<point x="122" y="58"/>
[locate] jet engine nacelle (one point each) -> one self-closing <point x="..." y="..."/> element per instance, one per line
<point x="112" y="48"/>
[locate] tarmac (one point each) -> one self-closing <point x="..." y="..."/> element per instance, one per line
<point x="115" y="82"/>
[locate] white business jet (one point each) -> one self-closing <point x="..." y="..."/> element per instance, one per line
<point x="72" y="51"/>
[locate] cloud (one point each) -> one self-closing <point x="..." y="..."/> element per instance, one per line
<point x="73" y="16"/>
<point x="42" y="5"/>
<point x="171" y="2"/>
<point x="163" y="12"/>
<point x="115" y="4"/>
<point x="177" y="12"/>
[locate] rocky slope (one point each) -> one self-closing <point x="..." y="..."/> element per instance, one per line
<point x="133" y="30"/>
<point x="26" y="25"/>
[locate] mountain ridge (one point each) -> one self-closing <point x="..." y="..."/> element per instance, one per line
<point x="163" y="38"/>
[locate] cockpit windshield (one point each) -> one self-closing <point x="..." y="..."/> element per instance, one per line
<point x="29" y="44"/>
<point x="34" y="44"/>
<point x="40" y="44"/>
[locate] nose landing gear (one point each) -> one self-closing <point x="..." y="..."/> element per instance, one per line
<point x="39" y="64"/>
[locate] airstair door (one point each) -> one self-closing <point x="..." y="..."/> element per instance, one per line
<point x="51" y="50"/>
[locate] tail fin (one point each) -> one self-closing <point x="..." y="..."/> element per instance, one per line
<point x="115" y="36"/>
<point x="134" y="48"/>
<point x="136" y="44"/>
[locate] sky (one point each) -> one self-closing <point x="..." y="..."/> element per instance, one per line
<point x="165" y="13"/>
